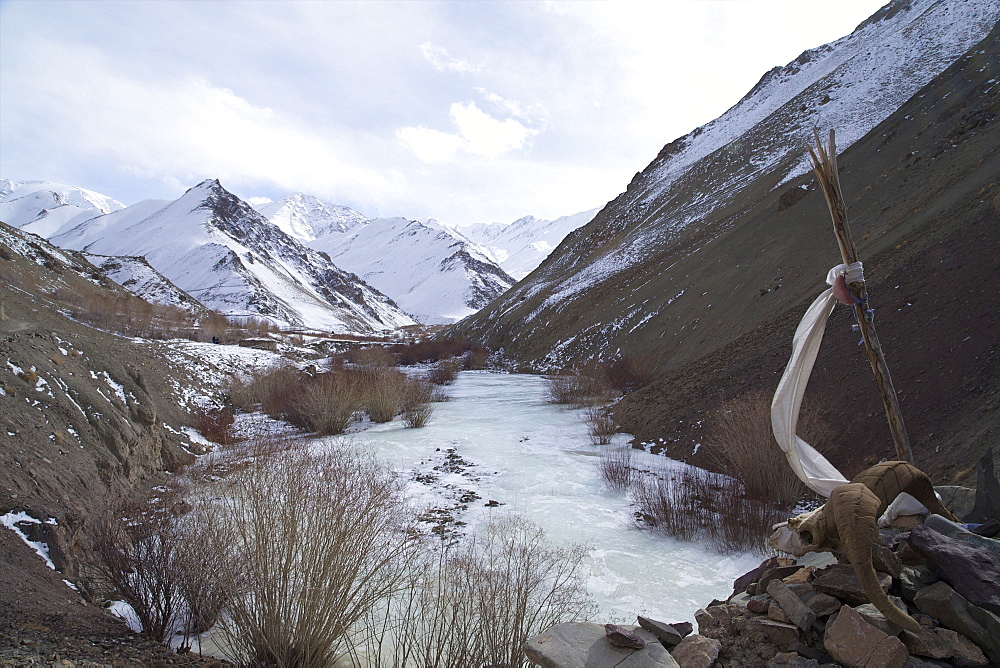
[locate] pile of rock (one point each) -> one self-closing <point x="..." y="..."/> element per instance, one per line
<point x="812" y="611"/>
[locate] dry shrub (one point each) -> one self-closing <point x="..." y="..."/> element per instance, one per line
<point x="600" y="424"/>
<point x="417" y="396"/>
<point x="626" y="374"/>
<point x="445" y="371"/>
<point x="313" y="541"/>
<point x="215" y="424"/>
<point x="134" y="554"/>
<point x="615" y="468"/>
<point x="710" y="507"/>
<point x="433" y="350"/>
<point x="328" y="403"/>
<point x="475" y="358"/>
<point x="30" y="376"/>
<point x="742" y="444"/>
<point x="376" y="356"/>
<point x="578" y="389"/>
<point x="383" y="393"/>
<point x="476" y="603"/>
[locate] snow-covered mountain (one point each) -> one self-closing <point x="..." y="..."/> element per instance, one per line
<point x="306" y="218"/>
<point x="45" y="208"/>
<point x="137" y="276"/>
<point x="521" y="246"/>
<point x="432" y="272"/>
<point x="229" y="257"/>
<point x="617" y="280"/>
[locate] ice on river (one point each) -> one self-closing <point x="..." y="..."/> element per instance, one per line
<point x="500" y="439"/>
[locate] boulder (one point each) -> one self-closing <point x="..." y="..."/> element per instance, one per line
<point x="951" y="609"/>
<point x="791" y="660"/>
<point x="972" y="571"/>
<point x="797" y="611"/>
<point x="779" y="634"/>
<point x="822" y="604"/>
<point x="741" y="583"/>
<point x="987" y="504"/>
<point x="584" y="645"/>
<point x="841" y="582"/>
<point x="759" y="604"/>
<point x="720" y="616"/>
<point x="871" y="615"/>
<point x="668" y="634"/>
<point x="941" y="643"/>
<point x="852" y="641"/>
<point x="914" y="578"/>
<point x="697" y="651"/>
<point x="775" y="612"/>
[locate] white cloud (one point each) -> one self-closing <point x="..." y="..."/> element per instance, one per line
<point x="476" y="133"/>
<point x="439" y="58"/>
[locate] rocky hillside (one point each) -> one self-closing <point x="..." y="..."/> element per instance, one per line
<point x="706" y="263"/>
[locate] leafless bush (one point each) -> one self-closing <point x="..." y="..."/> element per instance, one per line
<point x="615" y="468"/>
<point x="711" y="507"/>
<point x="134" y="552"/>
<point x="203" y="580"/>
<point x="327" y="403"/>
<point x="578" y="389"/>
<point x="600" y="424"/>
<point x="417" y="396"/>
<point x="475" y="358"/>
<point x="475" y="603"/>
<point x="215" y="424"/>
<point x="445" y="371"/>
<point x="314" y="541"/>
<point x="383" y="391"/>
<point x="742" y="444"/>
<point x="376" y="356"/>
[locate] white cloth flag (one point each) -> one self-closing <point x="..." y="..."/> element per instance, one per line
<point x="810" y="466"/>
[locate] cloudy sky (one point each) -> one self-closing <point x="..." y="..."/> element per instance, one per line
<point x="467" y="111"/>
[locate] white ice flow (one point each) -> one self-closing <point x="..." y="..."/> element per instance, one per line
<point x="537" y="459"/>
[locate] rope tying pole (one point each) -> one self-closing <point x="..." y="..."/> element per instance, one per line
<point x="824" y="163"/>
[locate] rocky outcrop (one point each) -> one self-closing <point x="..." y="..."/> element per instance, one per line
<point x="813" y="611"/>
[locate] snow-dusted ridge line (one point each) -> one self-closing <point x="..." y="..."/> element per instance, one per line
<point x="851" y="84"/>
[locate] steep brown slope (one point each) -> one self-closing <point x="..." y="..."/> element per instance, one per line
<point x="923" y="193"/>
<point x="923" y="199"/>
<point x="83" y="419"/>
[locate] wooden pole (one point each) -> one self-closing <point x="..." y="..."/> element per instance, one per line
<point x="825" y="167"/>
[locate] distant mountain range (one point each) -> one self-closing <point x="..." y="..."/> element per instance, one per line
<point x="297" y="261"/>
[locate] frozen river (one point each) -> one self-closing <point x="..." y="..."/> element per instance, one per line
<point x="536" y="459"/>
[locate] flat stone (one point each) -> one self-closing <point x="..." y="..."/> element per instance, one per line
<point x="720" y="616"/>
<point x="871" y="615"/>
<point x="741" y="583"/>
<point x="821" y="604"/>
<point x="852" y="641"/>
<point x="697" y="651"/>
<point x="886" y="561"/>
<point x="778" y="573"/>
<point x="621" y="636"/>
<point x="951" y="609"/>
<point x="817" y="559"/>
<point x="914" y="578"/>
<point x="797" y="611"/>
<point x="941" y="643"/>
<point x="584" y="645"/>
<point x="783" y="636"/>
<point x="791" y="660"/>
<point x="775" y="612"/>
<point x="801" y="576"/>
<point x="972" y="571"/>
<point x="666" y="633"/>
<point x="740" y="599"/>
<point x="841" y="582"/>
